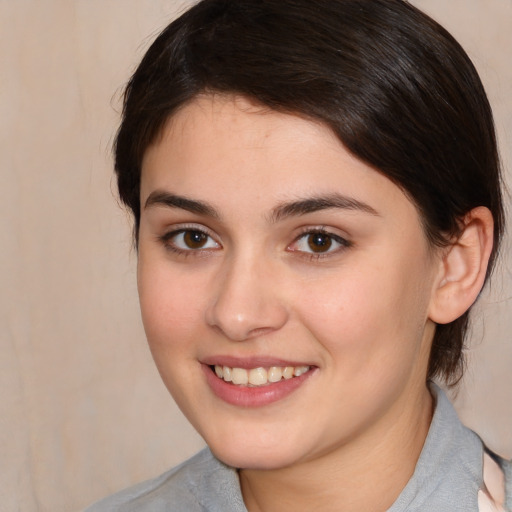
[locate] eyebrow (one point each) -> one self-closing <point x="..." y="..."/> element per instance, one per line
<point x="161" y="198"/>
<point x="318" y="203"/>
<point x="284" y="210"/>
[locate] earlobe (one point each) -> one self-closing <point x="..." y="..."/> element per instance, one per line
<point x="463" y="268"/>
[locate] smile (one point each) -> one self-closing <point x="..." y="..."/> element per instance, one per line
<point x="255" y="377"/>
<point x="258" y="384"/>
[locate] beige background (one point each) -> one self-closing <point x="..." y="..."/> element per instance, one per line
<point x="82" y="410"/>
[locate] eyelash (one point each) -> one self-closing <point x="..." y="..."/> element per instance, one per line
<point x="167" y="241"/>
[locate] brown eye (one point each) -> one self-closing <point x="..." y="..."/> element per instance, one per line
<point x="319" y="242"/>
<point x="188" y="240"/>
<point x="195" y="239"/>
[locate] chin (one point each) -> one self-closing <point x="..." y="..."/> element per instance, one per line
<point x="250" y="452"/>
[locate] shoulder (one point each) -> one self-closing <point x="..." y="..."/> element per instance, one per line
<point x="199" y="484"/>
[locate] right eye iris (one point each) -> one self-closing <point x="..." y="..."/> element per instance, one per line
<point x="319" y="242"/>
<point x="195" y="239"/>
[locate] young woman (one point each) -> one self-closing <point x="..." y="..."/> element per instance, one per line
<point x="317" y="205"/>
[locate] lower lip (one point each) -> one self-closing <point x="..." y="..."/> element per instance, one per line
<point x="244" y="396"/>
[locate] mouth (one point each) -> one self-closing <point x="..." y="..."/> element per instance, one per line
<point x="258" y="377"/>
<point x="256" y="384"/>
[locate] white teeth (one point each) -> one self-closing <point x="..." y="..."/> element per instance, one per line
<point x="226" y="373"/>
<point x="288" y="372"/>
<point x="240" y="376"/>
<point x="259" y="376"/>
<point x="299" y="370"/>
<point x="275" y="374"/>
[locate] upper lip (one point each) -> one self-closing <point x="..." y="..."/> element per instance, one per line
<point x="249" y="362"/>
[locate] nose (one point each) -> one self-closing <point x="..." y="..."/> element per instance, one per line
<point x="247" y="301"/>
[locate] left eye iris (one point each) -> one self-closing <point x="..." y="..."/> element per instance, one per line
<point x="195" y="239"/>
<point x="319" y="242"/>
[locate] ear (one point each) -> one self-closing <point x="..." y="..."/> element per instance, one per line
<point x="463" y="267"/>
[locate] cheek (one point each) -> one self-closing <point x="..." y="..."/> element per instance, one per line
<point x="368" y="317"/>
<point x="171" y="305"/>
<point x="171" y="313"/>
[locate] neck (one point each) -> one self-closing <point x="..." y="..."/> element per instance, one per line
<point x="366" y="473"/>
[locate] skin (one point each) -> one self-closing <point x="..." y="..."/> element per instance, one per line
<point x="359" y="314"/>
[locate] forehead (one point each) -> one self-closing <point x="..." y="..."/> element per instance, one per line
<point x="216" y="123"/>
<point x="234" y="153"/>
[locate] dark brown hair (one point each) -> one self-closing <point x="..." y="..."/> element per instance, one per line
<point x="398" y="91"/>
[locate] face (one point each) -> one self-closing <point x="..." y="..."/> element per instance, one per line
<point x="284" y="284"/>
